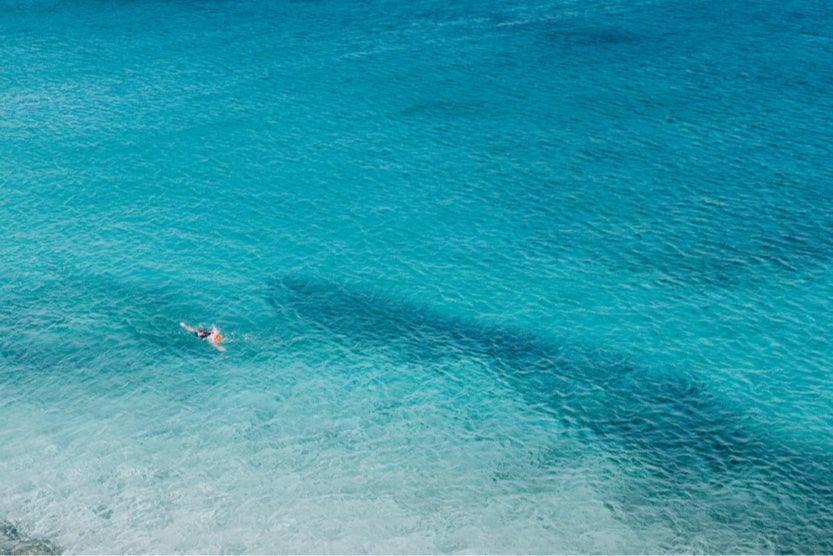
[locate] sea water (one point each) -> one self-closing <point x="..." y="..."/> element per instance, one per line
<point x="521" y="276"/>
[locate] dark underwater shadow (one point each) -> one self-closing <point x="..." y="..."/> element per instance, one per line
<point x="568" y="34"/>
<point x="668" y="431"/>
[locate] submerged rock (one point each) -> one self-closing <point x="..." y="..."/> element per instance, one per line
<point x="14" y="540"/>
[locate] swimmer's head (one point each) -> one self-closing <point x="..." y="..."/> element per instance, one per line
<point x="216" y="337"/>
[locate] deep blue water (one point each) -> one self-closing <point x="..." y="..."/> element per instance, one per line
<point x="545" y="276"/>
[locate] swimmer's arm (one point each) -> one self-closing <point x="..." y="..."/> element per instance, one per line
<point x="216" y="346"/>
<point x="187" y="328"/>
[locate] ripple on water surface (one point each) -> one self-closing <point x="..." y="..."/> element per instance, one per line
<point x="516" y="278"/>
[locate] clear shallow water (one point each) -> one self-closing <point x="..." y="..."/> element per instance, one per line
<point x="527" y="277"/>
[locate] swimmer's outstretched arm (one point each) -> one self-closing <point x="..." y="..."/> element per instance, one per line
<point x="187" y="328"/>
<point x="216" y="346"/>
<point x="211" y="340"/>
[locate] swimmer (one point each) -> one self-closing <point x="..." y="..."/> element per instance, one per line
<point x="212" y="335"/>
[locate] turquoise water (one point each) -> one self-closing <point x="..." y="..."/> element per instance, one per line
<point x="545" y="276"/>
